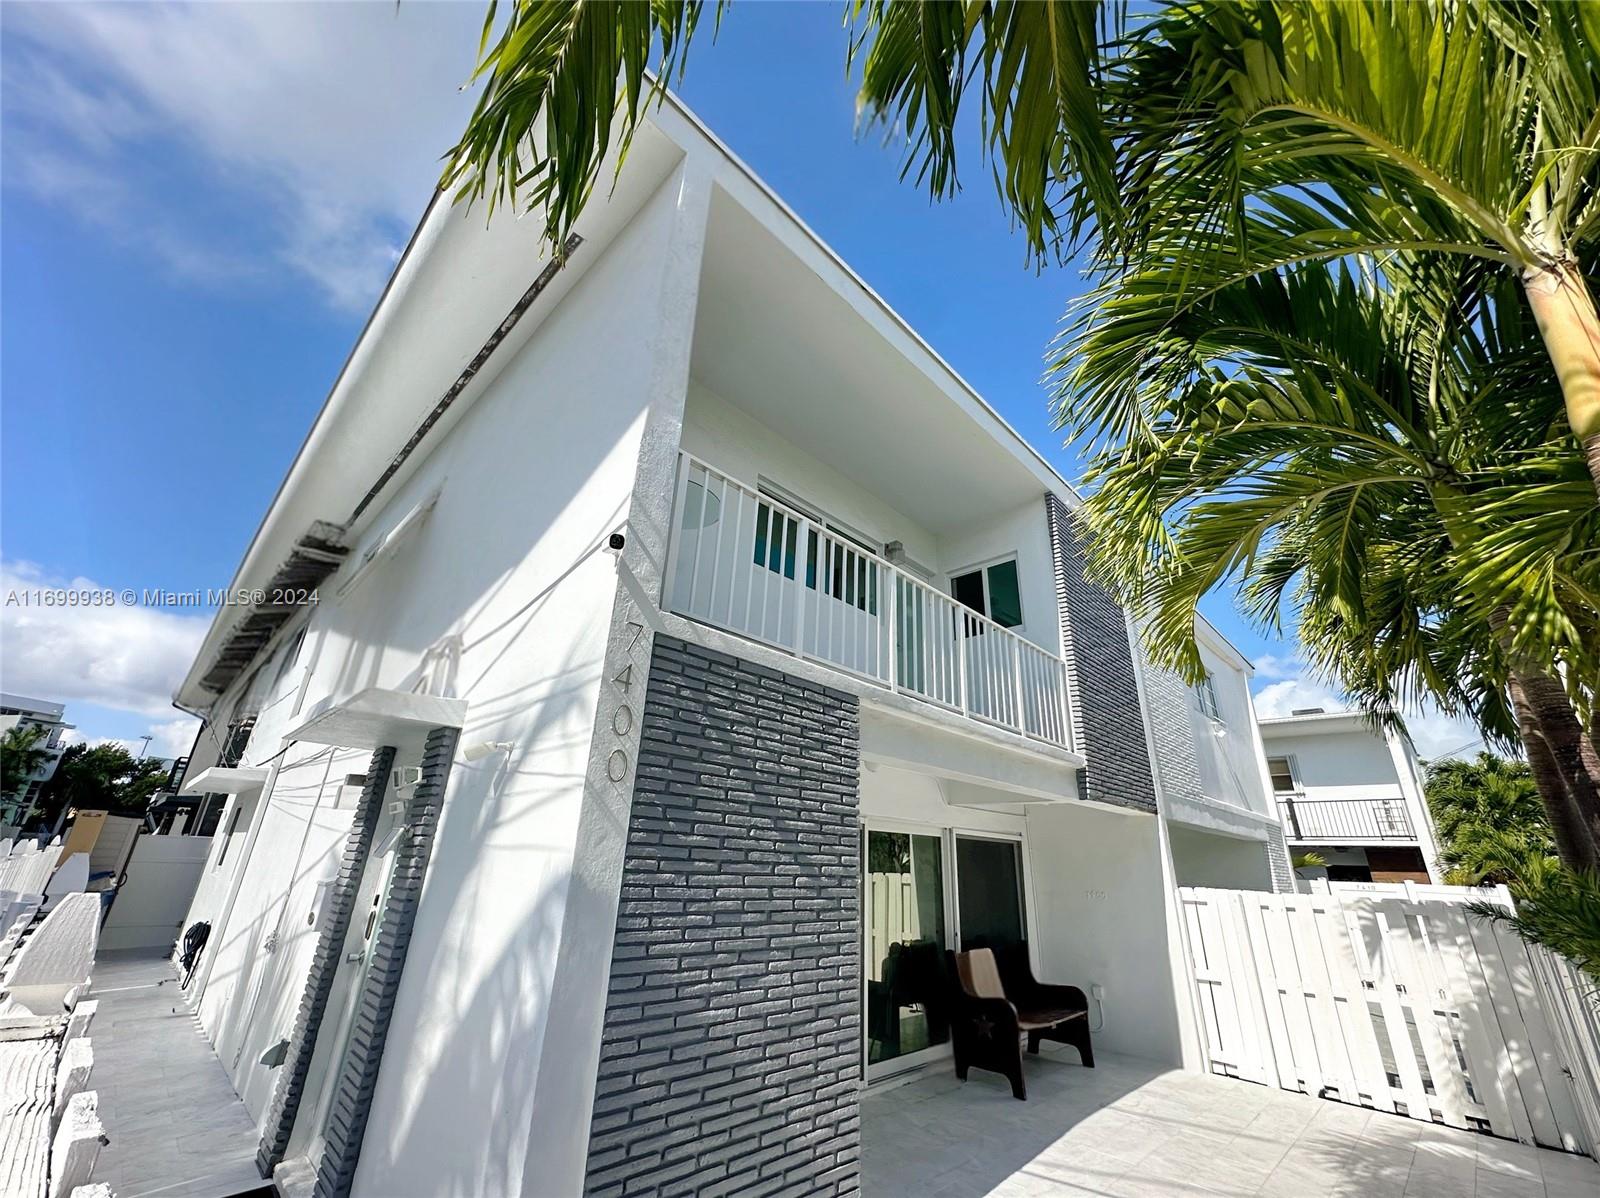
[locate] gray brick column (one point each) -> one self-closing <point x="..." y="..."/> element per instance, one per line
<point x="358" y="1071"/>
<point x="324" y="965"/>
<point x="1100" y="675"/>
<point x="731" y="1055"/>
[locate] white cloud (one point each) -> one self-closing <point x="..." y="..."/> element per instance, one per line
<point x="1432" y="732"/>
<point x="1437" y="735"/>
<point x="129" y="658"/>
<point x="169" y="738"/>
<point x="321" y="126"/>
<point x="1277" y="666"/>
<point x="1289" y="695"/>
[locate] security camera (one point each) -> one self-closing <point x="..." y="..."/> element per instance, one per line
<point x="615" y="542"/>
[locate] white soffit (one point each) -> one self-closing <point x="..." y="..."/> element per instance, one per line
<point x="376" y="717"/>
<point x="220" y="781"/>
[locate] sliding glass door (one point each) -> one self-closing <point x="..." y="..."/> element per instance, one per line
<point x="927" y="891"/>
<point x="990" y="909"/>
<point x="907" y="916"/>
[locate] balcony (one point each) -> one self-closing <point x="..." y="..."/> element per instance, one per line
<point x="744" y="562"/>
<point x="1344" y="820"/>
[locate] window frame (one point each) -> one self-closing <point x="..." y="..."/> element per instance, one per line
<point x="1205" y="692"/>
<point x="981" y="568"/>
<point x="860" y="594"/>
<point x="1296" y="786"/>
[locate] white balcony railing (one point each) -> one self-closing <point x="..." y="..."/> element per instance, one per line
<point x="742" y="561"/>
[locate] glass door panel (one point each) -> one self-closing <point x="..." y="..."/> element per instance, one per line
<point x="906" y="943"/>
<point x="989" y="892"/>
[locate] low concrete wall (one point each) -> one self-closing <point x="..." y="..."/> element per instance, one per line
<point x="162" y="875"/>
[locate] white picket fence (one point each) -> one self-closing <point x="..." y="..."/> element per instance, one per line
<point x="1393" y="997"/>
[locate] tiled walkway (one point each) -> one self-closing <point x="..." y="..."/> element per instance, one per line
<point x="176" y="1127"/>
<point x="1128" y="1128"/>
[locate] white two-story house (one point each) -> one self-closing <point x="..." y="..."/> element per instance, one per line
<point x="662" y="659"/>
<point x="1352" y="794"/>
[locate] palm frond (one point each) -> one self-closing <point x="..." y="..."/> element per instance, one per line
<point x="557" y="80"/>
<point x="1037" y="67"/>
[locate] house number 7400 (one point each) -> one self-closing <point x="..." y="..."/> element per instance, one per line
<point x="622" y="717"/>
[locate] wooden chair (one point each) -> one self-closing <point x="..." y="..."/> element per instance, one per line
<point x="991" y="1015"/>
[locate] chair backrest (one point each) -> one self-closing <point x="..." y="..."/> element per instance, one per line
<point x="980" y="977"/>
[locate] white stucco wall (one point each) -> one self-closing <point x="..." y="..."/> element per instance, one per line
<point x="1105" y="917"/>
<point x="1337" y="765"/>
<point x="502" y="598"/>
<point x="1207" y="859"/>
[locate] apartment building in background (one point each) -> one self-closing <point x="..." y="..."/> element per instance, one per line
<point x="50" y="719"/>
<point x="1352" y="794"/>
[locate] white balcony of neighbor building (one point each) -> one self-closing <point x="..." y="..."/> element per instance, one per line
<point x="742" y="561"/>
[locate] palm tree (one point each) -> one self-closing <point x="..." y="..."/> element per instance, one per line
<point x="1485" y="799"/>
<point x="22" y="754"/>
<point x="1218" y="141"/>
<point x="1339" y="444"/>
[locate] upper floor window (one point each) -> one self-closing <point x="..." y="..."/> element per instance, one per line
<point x="1282" y="771"/>
<point x="1206" y="691"/>
<point x="992" y="591"/>
<point x="839" y="556"/>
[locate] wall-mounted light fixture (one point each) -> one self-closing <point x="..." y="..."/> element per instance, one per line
<point x="486" y="748"/>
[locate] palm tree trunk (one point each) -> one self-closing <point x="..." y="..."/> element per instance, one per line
<point x="1575" y="843"/>
<point x="1565" y="312"/>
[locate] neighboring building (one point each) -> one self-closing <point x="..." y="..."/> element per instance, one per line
<point x="666" y="658"/>
<point x="1221" y="820"/>
<point x="49" y="718"/>
<point x="1353" y="795"/>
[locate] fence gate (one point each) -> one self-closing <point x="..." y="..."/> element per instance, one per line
<point x="1392" y="997"/>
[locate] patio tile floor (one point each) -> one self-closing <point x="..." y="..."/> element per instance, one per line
<point x="1135" y="1129"/>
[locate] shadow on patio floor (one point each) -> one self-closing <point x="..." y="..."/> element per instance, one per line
<point x="1137" y="1129"/>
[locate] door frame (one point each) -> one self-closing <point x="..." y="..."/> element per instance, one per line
<point x="947" y="831"/>
<point x="1029" y="907"/>
<point x="309" y="1134"/>
<point x="879" y="1071"/>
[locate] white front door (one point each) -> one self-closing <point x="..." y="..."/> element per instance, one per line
<point x="311" y="1121"/>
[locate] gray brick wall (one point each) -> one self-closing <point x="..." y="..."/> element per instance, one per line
<point x="1172" y="714"/>
<point x="1100" y="678"/>
<point x="325" y="962"/>
<point x="731" y="1054"/>
<point x="1278" y="863"/>
<point x="369" y="1031"/>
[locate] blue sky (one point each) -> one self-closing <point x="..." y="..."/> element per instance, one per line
<point x="202" y="203"/>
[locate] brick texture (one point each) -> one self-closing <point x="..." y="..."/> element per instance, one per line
<point x="731" y="1055"/>
<point x="1278" y="863"/>
<point x="369" y="1032"/>
<point x="325" y="961"/>
<point x="1094" y="633"/>
<point x="1172" y="715"/>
